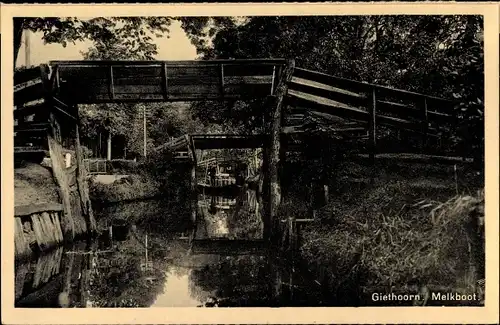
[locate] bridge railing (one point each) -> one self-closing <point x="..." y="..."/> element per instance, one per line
<point x="393" y="107"/>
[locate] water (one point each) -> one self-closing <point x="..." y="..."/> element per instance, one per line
<point x="157" y="254"/>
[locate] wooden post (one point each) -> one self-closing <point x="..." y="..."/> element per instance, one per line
<point x="68" y="223"/>
<point x="221" y="76"/>
<point x="144" y="131"/>
<point x="108" y="156"/>
<point x="193" y="180"/>
<point x="372" y="126"/>
<point x="425" y="124"/>
<point x="111" y="84"/>
<point x="165" y="80"/>
<point x="82" y="185"/>
<point x="274" y="130"/>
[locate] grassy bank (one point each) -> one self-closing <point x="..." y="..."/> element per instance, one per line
<point x="129" y="188"/>
<point x="403" y="228"/>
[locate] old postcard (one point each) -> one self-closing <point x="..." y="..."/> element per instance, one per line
<point x="250" y="159"/>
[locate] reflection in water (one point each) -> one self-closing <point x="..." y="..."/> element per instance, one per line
<point x="176" y="291"/>
<point x="149" y="254"/>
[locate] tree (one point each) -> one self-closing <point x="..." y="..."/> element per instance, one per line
<point x="435" y="55"/>
<point x="133" y="33"/>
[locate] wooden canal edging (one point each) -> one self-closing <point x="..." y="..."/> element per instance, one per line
<point x="38" y="226"/>
<point x="47" y="126"/>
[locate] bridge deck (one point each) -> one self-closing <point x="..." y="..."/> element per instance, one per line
<point x="126" y="81"/>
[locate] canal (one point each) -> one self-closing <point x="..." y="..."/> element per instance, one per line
<point x="157" y="254"/>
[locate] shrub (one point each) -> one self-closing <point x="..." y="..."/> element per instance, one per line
<point x="132" y="187"/>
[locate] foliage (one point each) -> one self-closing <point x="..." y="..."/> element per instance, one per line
<point x="110" y="35"/>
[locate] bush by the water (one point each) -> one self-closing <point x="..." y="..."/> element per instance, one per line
<point x="125" y="189"/>
<point x="123" y="166"/>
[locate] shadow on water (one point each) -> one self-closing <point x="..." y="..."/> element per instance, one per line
<point x="152" y="254"/>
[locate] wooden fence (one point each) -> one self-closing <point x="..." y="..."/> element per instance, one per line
<point x="95" y="166"/>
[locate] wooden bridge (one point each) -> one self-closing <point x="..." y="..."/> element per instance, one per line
<point x="339" y="105"/>
<point x="351" y="109"/>
<point x="298" y="102"/>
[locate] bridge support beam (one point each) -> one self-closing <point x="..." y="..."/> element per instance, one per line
<point x="193" y="179"/>
<point x="272" y="157"/>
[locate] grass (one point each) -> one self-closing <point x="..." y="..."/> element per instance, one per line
<point x="395" y="233"/>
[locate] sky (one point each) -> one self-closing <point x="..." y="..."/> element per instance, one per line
<point x="177" y="47"/>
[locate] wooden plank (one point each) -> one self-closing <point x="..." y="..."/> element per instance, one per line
<point x="425" y="123"/>
<point x="329" y="106"/>
<point x="194" y="90"/>
<point x="20" y="242"/>
<point x="372" y="125"/>
<point x="345" y="111"/>
<point x="324" y="78"/>
<point x="245" y="70"/>
<point x="111" y="83"/>
<point x="134" y="81"/>
<point x="243" y="80"/>
<point x="68" y="222"/>
<point x="416" y="158"/>
<point x="23" y="111"/>
<point x="49" y="229"/>
<point x="250" y="142"/>
<point x="125" y="63"/>
<point x="67" y="72"/>
<point x="401" y="110"/>
<point x="83" y="190"/>
<point x="31" y="129"/>
<point x="64" y="113"/>
<point x="28" y="94"/>
<point x="57" y="226"/>
<point x="57" y="78"/>
<point x="38" y="231"/>
<point x="248" y="90"/>
<point x="365" y="87"/>
<point x="132" y="72"/>
<point x="440" y="117"/>
<point x="160" y="98"/>
<point x="273" y="80"/>
<point x="229" y="246"/>
<point x="221" y="80"/>
<point x="194" y="73"/>
<point x="25" y="75"/>
<point x="327" y="91"/>
<point x="26" y="210"/>
<point x="81" y="89"/>
<point x="165" y="79"/>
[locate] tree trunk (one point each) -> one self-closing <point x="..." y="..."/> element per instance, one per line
<point x="274" y="130"/>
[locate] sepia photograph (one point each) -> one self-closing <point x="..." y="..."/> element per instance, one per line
<point x="248" y="161"/>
